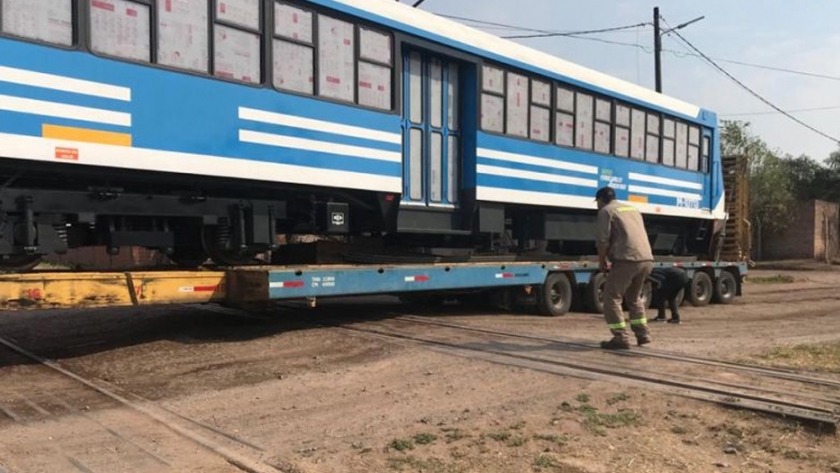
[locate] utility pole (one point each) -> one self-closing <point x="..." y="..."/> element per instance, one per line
<point x="657" y="43"/>
<point x="657" y="49"/>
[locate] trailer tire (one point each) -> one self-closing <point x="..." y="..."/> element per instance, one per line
<point x="554" y="298"/>
<point x="725" y="288"/>
<point x="593" y="294"/>
<point x="700" y="290"/>
<point x="680" y="299"/>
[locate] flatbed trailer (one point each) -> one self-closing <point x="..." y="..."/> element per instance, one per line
<point x="550" y="287"/>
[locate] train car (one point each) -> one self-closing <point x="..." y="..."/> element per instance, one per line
<point x="208" y="127"/>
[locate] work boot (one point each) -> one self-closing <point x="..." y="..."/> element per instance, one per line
<point x="643" y="339"/>
<point x="618" y="342"/>
<point x="674" y="321"/>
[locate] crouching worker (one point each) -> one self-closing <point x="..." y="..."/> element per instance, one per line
<point x="667" y="283"/>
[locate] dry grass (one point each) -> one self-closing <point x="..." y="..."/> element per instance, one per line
<point x="824" y="357"/>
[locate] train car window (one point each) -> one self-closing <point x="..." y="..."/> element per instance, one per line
<point x="50" y="21"/>
<point x="294" y="67"/>
<point x="492" y="113"/>
<point x="541" y="93"/>
<point x="237" y="54"/>
<point x="694" y="148"/>
<point x="565" y="100"/>
<point x="584" y="118"/>
<point x="540" y="111"/>
<point x="121" y="28"/>
<point x="493" y="80"/>
<point x="183" y="34"/>
<point x="603" y="125"/>
<point x="622" y="131"/>
<point x="652" y="143"/>
<point x="336" y="59"/>
<point x="294" y="50"/>
<point x="565" y="129"/>
<point x="682" y="146"/>
<point x="236" y="41"/>
<point x="704" y="162"/>
<point x="436" y="93"/>
<point x="492" y="99"/>
<point x="375" y="69"/>
<point x="293" y="23"/>
<point x="453" y="86"/>
<point x="244" y="13"/>
<point x="516" y="120"/>
<point x="637" y="135"/>
<point x="668" y="141"/>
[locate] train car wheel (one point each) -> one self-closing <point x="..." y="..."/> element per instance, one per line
<point x="725" y="288"/>
<point x="212" y="238"/>
<point x="593" y="295"/>
<point x="18" y="263"/>
<point x="554" y="298"/>
<point x="188" y="257"/>
<point x="700" y="290"/>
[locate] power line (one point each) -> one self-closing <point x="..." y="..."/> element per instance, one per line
<point x="577" y="33"/>
<point x="679" y="54"/>
<point x="752" y="92"/>
<point x="800" y="110"/>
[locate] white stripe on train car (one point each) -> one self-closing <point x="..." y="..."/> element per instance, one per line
<point x="535" y="176"/>
<point x="60" y="110"/>
<point x="536" y="161"/>
<point x="33" y="148"/>
<point x="293" y="121"/>
<point x="64" y="84"/>
<point x="662" y="192"/>
<point x="281" y="141"/>
<point x="634" y="176"/>
<point x="495" y="194"/>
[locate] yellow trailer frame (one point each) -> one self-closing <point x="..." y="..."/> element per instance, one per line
<point x="131" y="288"/>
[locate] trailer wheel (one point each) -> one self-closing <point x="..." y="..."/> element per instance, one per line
<point x="555" y="297"/>
<point x="725" y="288"/>
<point x="593" y="294"/>
<point x="700" y="290"/>
<point x="680" y="299"/>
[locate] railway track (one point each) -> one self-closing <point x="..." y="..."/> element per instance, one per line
<point x="104" y="428"/>
<point x="808" y="399"/>
<point x="804" y="397"/>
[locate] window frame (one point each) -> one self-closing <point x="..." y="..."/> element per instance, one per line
<point x="260" y="32"/>
<point x="152" y="4"/>
<point x="76" y="36"/>
<point x="546" y="108"/>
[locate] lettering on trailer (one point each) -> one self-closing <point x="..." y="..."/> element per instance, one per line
<point x="512" y="275"/>
<point x="325" y="281"/>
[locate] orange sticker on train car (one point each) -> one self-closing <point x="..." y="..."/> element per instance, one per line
<point x="67" y="154"/>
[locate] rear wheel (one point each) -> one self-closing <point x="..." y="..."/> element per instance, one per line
<point x="554" y="298"/>
<point x="18" y="263"/>
<point x="700" y="290"/>
<point x="593" y="295"/>
<point x="725" y="288"/>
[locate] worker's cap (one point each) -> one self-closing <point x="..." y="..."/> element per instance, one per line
<point x="606" y="193"/>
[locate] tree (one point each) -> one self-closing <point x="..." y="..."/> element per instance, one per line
<point x="772" y="188"/>
<point x="833" y="160"/>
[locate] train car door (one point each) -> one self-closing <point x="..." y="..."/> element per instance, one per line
<point x="432" y="132"/>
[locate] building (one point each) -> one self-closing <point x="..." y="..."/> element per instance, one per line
<point x="814" y="234"/>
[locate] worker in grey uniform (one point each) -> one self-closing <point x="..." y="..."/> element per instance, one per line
<point x="623" y="240"/>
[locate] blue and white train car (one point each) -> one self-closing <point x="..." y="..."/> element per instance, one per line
<point x="210" y="126"/>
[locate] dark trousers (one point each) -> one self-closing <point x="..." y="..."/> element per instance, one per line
<point x="669" y="296"/>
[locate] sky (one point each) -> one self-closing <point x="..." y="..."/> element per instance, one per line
<point x="774" y="33"/>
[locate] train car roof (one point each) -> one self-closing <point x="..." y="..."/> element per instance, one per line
<point x="448" y="31"/>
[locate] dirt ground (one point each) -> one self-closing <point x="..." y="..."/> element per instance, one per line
<point x="301" y="393"/>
